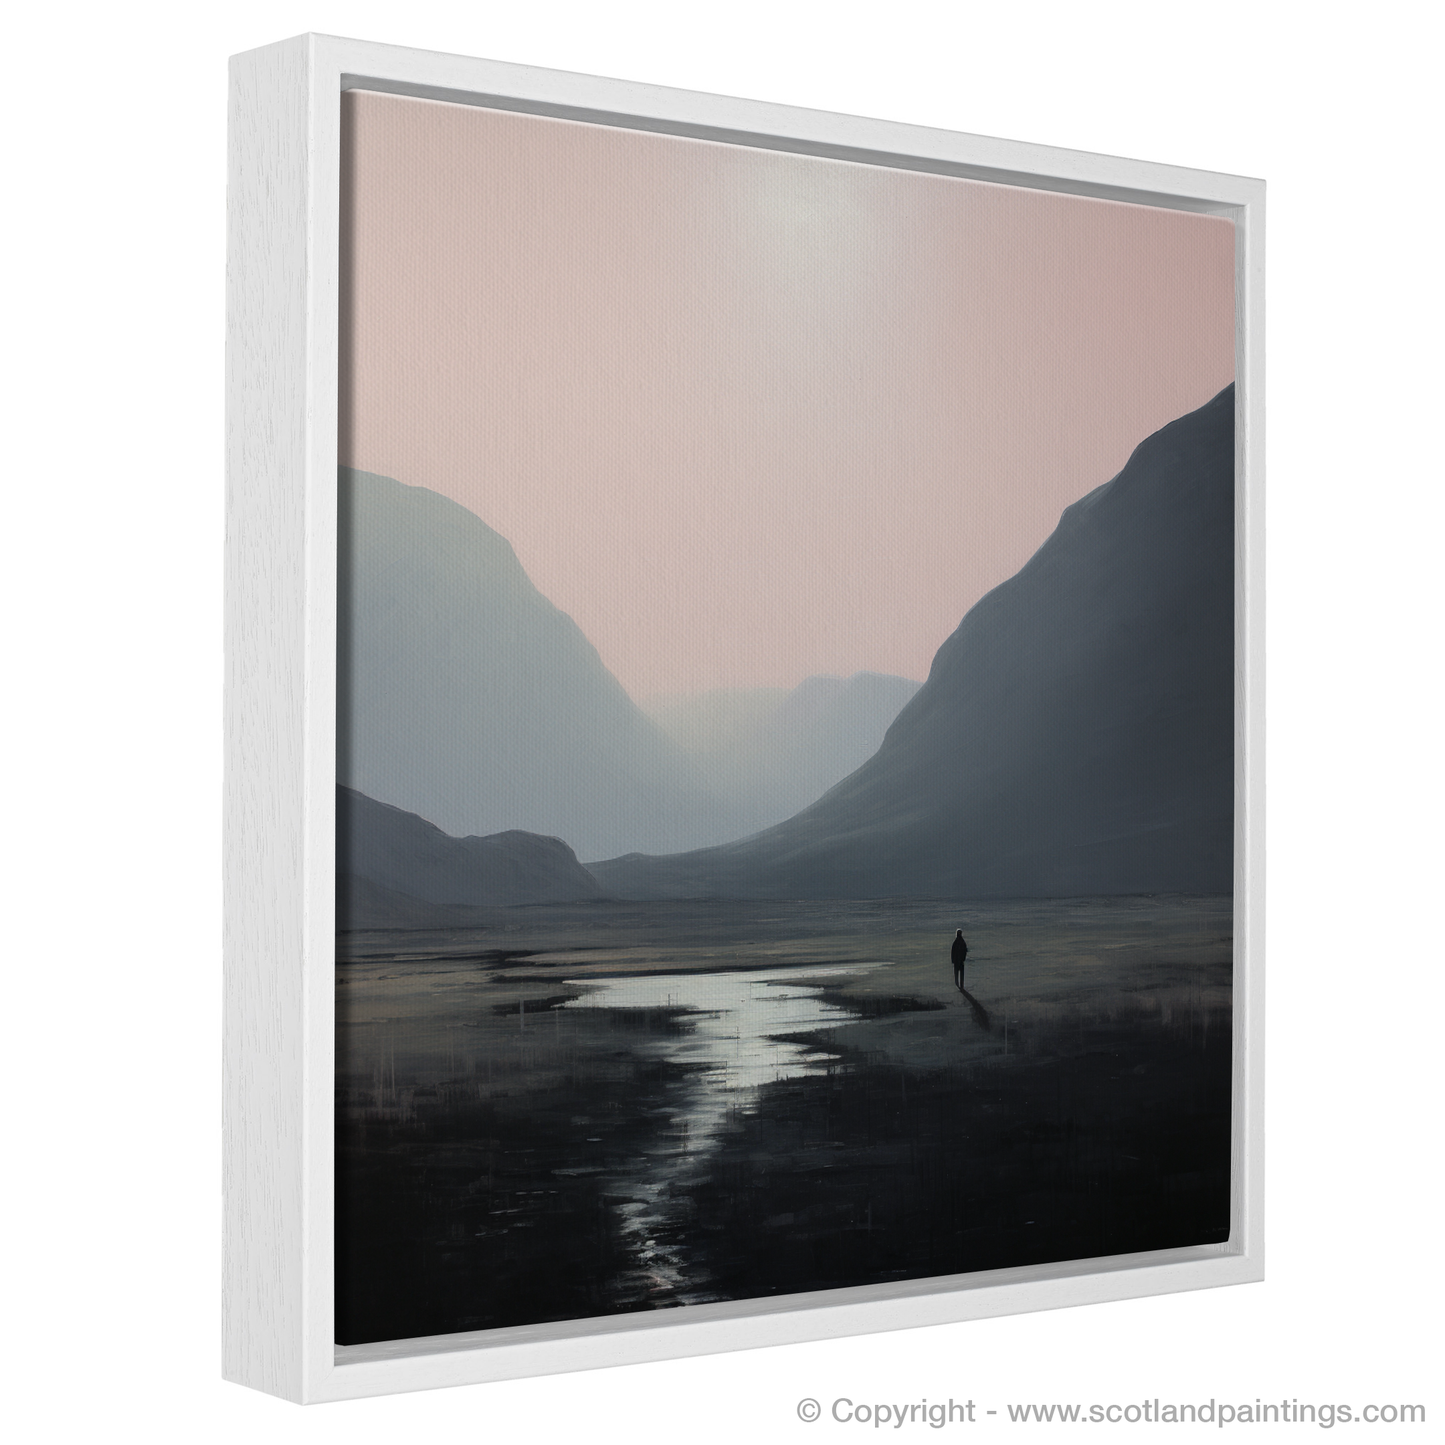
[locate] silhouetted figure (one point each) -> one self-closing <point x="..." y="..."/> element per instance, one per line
<point x="959" y="953"/>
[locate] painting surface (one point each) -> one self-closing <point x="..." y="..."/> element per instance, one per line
<point x="759" y="573"/>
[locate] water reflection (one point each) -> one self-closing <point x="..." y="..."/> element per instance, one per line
<point x="734" y="1044"/>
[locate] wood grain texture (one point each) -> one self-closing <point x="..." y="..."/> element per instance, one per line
<point x="280" y="727"/>
<point x="269" y="720"/>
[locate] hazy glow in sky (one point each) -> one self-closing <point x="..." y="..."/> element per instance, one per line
<point x="749" y="416"/>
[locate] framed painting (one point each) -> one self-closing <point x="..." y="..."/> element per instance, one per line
<point x="744" y="724"/>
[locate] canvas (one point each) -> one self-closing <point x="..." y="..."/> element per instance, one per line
<point x="786" y="723"/>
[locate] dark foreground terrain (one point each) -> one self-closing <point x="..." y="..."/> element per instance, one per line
<point x="593" y="1108"/>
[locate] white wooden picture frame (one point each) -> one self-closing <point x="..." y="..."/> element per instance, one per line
<point x="281" y="566"/>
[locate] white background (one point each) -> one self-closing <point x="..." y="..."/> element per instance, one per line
<point x="112" y="538"/>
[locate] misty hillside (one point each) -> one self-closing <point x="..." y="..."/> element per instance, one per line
<point x="396" y="864"/>
<point x="772" y="751"/>
<point x="468" y="698"/>
<point x="1075" y="734"/>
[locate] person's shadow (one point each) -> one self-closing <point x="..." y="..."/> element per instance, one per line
<point x="980" y="1014"/>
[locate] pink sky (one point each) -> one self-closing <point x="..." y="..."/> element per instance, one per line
<point x="749" y="416"/>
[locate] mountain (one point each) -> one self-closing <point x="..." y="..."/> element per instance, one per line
<point x="362" y="904"/>
<point x="714" y="724"/>
<point x="1075" y="734"/>
<point x="392" y="861"/>
<point x="467" y="697"/>
<point x="770" y="751"/>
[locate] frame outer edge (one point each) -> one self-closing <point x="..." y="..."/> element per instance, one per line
<point x="264" y="884"/>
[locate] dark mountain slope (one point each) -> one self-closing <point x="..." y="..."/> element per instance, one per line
<point x="381" y="847"/>
<point x="1075" y="734"/>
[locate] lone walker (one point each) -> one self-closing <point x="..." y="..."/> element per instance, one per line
<point x="959" y="953"/>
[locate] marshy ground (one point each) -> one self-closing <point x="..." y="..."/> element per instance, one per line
<point x="584" y="1109"/>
